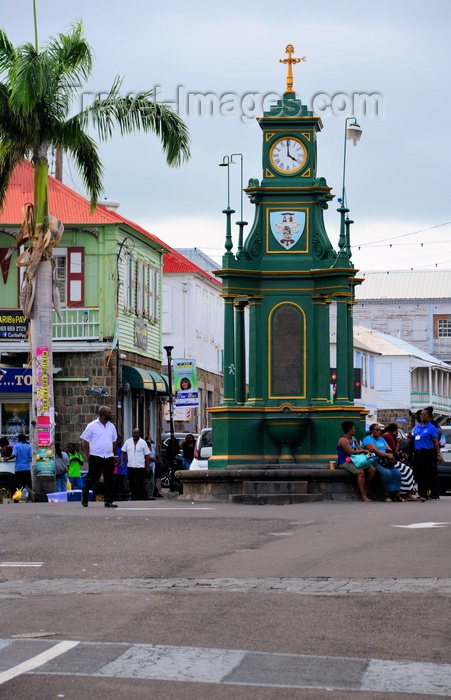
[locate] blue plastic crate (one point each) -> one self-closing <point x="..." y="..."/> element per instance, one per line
<point x="75" y="495"/>
<point x="57" y="497"/>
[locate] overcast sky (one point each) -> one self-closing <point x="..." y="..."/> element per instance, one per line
<point x="397" y="178"/>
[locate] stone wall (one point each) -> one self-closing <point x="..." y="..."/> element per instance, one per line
<point x="387" y="415"/>
<point x="74" y="407"/>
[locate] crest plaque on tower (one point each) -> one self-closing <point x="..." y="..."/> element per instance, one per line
<point x="287" y="227"/>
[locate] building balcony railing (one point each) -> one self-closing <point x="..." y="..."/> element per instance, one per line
<point x="441" y="346"/>
<point x="77" y="324"/>
<point x="421" y="399"/>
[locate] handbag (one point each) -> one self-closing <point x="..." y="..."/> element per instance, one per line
<point x="361" y="461"/>
<point x="386" y="462"/>
<point x="60" y="466"/>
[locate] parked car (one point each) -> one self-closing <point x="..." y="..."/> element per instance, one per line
<point x="203" y="450"/>
<point x="444" y="469"/>
<point x="7" y="479"/>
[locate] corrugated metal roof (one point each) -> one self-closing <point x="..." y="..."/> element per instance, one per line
<point x="389" y="345"/>
<point x="417" y="284"/>
<point x="174" y="262"/>
<point x="64" y="203"/>
<point x="357" y="342"/>
<point x="72" y="208"/>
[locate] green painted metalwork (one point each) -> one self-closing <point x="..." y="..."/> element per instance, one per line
<point x="286" y="263"/>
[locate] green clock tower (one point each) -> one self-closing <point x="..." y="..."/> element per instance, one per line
<point x="278" y="410"/>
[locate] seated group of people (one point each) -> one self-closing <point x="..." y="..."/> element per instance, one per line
<point x="379" y="451"/>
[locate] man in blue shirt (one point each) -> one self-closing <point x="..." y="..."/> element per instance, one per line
<point x="22" y="453"/>
<point x="426" y="455"/>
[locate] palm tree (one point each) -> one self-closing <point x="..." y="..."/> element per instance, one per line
<point x="37" y="91"/>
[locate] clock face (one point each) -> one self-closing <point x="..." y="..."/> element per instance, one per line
<point x="288" y="155"/>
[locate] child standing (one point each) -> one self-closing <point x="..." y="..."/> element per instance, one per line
<point x="75" y="464"/>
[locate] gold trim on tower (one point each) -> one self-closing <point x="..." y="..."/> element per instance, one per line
<point x="290" y="62"/>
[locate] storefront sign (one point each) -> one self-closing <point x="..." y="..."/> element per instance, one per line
<point x="141" y="335"/>
<point x="15" y="380"/>
<point x="185" y="383"/>
<point x="13" y="324"/>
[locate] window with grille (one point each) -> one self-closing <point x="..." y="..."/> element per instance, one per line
<point x="444" y="328"/>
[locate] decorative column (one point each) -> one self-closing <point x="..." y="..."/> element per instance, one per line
<point x="240" y="350"/>
<point x="229" y="351"/>
<point x="342" y="348"/>
<point x="255" y="354"/>
<point x="320" y="378"/>
<point x="350" y="305"/>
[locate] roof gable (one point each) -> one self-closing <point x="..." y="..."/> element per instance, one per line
<point x="174" y="262"/>
<point x="389" y="345"/>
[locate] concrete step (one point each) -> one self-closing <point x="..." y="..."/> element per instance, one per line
<point x="275" y="487"/>
<point x="273" y="499"/>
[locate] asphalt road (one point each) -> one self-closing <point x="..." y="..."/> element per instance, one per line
<point x="172" y="599"/>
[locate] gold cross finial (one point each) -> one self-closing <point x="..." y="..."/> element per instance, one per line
<point x="290" y="62"/>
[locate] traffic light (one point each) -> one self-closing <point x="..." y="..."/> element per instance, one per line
<point x="357" y="383"/>
<point x="333" y="384"/>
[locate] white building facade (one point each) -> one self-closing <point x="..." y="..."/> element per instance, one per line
<point x="406" y="379"/>
<point x="193" y="323"/>
<point x="412" y="305"/>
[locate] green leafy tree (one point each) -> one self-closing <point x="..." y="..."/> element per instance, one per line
<point x="38" y="89"/>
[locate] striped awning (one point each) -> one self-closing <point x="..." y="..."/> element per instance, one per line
<point x="144" y="379"/>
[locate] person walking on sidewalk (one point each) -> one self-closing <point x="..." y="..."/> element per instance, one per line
<point x="138" y="465"/>
<point x="100" y="447"/>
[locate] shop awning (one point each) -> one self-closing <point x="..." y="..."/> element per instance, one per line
<point x="144" y="379"/>
<point x="161" y="382"/>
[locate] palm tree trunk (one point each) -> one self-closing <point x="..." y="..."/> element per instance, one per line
<point x="43" y="412"/>
<point x="43" y="435"/>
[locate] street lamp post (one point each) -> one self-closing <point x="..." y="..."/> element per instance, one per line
<point x="353" y="133"/>
<point x="172" y="487"/>
<point x="241" y="224"/>
<point x="228" y="211"/>
<point x="227" y="161"/>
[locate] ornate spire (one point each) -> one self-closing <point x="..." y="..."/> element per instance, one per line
<point x="290" y="62"/>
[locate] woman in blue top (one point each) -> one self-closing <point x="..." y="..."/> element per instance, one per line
<point x="389" y="476"/>
<point x="426" y="455"/>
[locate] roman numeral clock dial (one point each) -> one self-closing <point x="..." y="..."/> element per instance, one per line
<point x="288" y="155"/>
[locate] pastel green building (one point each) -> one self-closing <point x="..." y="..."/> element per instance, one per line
<point x="280" y="411"/>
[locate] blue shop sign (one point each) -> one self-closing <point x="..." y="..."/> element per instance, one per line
<point x="15" y="380"/>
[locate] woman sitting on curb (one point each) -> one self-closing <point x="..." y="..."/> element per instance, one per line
<point x="390" y="477"/>
<point x="349" y="445"/>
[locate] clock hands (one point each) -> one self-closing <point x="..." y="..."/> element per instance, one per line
<point x="289" y="154"/>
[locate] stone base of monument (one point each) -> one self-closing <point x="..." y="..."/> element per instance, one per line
<point x="260" y="485"/>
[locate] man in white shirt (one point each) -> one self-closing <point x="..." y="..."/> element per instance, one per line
<point x="138" y="464"/>
<point x="100" y="447"/>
